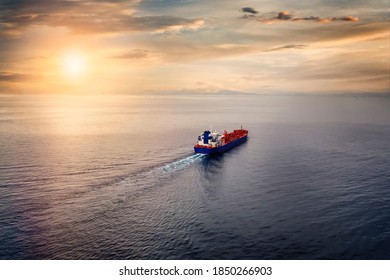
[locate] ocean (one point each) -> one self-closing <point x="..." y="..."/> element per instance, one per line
<point x="116" y="177"/>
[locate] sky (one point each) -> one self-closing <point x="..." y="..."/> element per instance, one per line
<point x="194" y="46"/>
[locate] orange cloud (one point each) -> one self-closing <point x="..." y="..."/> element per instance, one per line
<point x="287" y="16"/>
<point x="86" y="17"/>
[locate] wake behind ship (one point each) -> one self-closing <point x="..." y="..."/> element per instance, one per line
<point x="215" y="142"/>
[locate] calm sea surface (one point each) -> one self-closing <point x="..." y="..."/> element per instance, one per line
<point x="115" y="177"/>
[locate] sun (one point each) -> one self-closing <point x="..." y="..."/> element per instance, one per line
<point x="74" y="65"/>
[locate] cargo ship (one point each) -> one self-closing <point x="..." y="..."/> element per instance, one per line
<point x="216" y="143"/>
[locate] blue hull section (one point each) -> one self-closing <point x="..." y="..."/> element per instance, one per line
<point x="221" y="149"/>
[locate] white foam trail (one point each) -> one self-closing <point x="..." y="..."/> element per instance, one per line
<point x="180" y="164"/>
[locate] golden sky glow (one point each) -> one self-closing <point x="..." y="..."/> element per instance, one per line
<point x="74" y="65"/>
<point x="134" y="46"/>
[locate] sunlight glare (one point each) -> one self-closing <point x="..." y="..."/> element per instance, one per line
<point x="74" y="65"/>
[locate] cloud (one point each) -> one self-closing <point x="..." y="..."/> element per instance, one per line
<point x="249" y="10"/>
<point x="177" y="26"/>
<point x="13" y="77"/>
<point x="346" y="18"/>
<point x="136" y="54"/>
<point x="349" y="68"/>
<point x="332" y="34"/>
<point x="287" y="16"/>
<point x="290" y="46"/>
<point x="173" y="50"/>
<point x="235" y="45"/>
<point x="86" y="17"/>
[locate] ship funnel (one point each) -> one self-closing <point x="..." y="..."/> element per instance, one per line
<point x="206" y="137"/>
